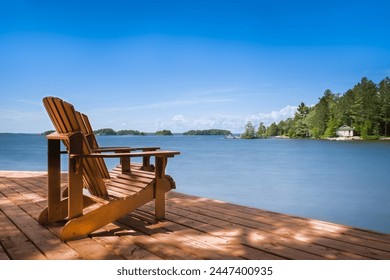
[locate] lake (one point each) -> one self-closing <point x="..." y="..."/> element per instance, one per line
<point x="336" y="181"/>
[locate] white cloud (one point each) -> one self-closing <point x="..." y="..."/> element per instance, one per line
<point x="179" y="118"/>
<point x="180" y="123"/>
<point x="274" y="116"/>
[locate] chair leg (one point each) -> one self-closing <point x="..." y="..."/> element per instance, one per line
<point x="43" y="217"/>
<point x="160" y="188"/>
<point x="89" y="222"/>
<point x="159" y="201"/>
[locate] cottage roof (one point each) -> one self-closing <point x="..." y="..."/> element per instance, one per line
<point x="344" y="128"/>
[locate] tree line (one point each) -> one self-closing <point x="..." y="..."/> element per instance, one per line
<point x="365" y="107"/>
<point x="208" y="132"/>
<point x="110" y="131"/>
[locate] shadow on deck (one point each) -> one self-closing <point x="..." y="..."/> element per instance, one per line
<point x="194" y="228"/>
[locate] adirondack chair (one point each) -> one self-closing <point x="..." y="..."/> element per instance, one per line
<point x="104" y="199"/>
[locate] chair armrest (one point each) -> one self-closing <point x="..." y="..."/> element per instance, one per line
<point x="163" y="154"/>
<point x="124" y="149"/>
<point x="113" y="149"/>
<point x="60" y="136"/>
<point x="161" y="159"/>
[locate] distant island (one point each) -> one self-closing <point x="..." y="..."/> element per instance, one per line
<point x="208" y="132"/>
<point x="107" y="131"/>
<point x="110" y="131"/>
<point x="164" y="133"/>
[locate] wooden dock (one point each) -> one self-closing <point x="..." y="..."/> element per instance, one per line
<point x="195" y="228"/>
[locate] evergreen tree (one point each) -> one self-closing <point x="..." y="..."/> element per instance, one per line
<point x="319" y="116"/>
<point x="344" y="108"/>
<point x="300" y="127"/>
<point x="366" y="107"/>
<point x="332" y="125"/>
<point x="384" y="100"/>
<point x="261" y="131"/>
<point x="273" y="130"/>
<point x="249" y="131"/>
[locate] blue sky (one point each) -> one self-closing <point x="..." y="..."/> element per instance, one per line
<point x="180" y="65"/>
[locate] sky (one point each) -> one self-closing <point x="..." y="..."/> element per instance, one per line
<point x="182" y="65"/>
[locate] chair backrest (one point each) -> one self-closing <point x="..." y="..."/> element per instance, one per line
<point x="67" y="120"/>
<point x="86" y="128"/>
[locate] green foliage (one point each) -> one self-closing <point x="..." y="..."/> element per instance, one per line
<point x="300" y="127"/>
<point x="164" y="133"/>
<point x="105" y="131"/>
<point x="110" y="131"/>
<point x="208" y="132"/>
<point x="369" y="131"/>
<point x="320" y="115"/>
<point x="261" y="131"/>
<point x="365" y="107"/>
<point x="284" y="127"/>
<point x="273" y="130"/>
<point x="130" y="132"/>
<point x="249" y="131"/>
<point x="384" y="99"/>
<point x="332" y="125"/>
<point x="302" y="111"/>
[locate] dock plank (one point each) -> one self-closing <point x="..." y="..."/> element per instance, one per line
<point x="48" y="243"/>
<point x="194" y="228"/>
<point x="15" y="245"/>
<point x="259" y="215"/>
<point x="367" y="247"/>
<point x="123" y="247"/>
<point x="258" y="239"/>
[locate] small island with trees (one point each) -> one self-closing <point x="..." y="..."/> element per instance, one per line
<point x="110" y="131"/>
<point x="164" y="132"/>
<point x="208" y="132"/>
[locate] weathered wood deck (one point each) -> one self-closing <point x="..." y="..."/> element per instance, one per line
<point x="195" y="228"/>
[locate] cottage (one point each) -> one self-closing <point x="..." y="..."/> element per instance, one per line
<point x="345" y="131"/>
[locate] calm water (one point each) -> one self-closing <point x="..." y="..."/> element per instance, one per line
<point x="342" y="182"/>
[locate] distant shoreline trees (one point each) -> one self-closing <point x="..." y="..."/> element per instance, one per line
<point x="110" y="131"/>
<point x="365" y="107"/>
<point x="208" y="132"/>
<point x="164" y="133"/>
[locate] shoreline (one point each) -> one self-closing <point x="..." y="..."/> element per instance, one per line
<point x="345" y="138"/>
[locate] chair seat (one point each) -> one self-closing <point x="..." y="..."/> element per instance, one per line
<point x="122" y="185"/>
